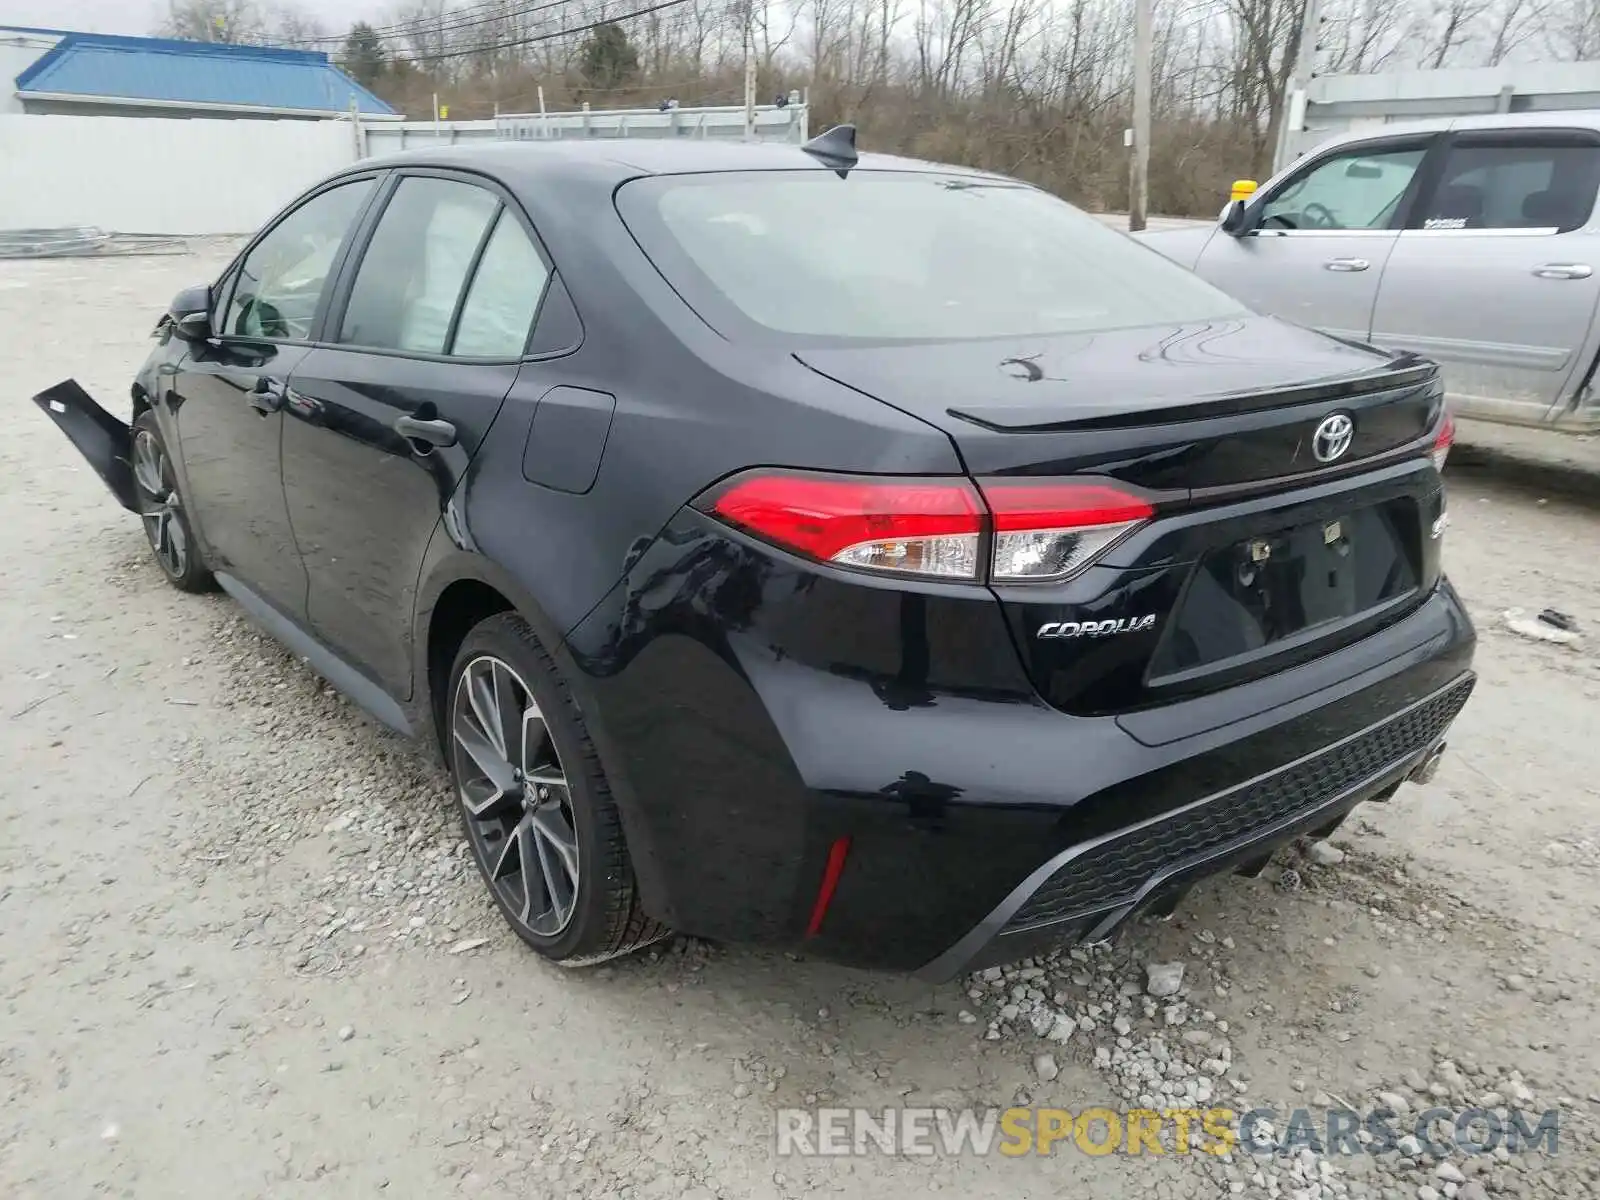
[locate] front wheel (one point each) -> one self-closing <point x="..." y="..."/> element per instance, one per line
<point x="166" y="523"/>
<point x="535" y="806"/>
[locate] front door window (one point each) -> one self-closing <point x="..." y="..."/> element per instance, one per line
<point x="1361" y="189"/>
<point x="281" y="279"/>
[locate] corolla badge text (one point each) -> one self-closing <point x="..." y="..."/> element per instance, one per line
<point x="1074" y="629"/>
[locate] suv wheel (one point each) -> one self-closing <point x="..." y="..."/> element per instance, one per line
<point x="537" y="813"/>
<point x="166" y="523"/>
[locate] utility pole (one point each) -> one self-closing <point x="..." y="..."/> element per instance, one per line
<point x="1139" y="168"/>
<point x="749" y="70"/>
<point x="1305" y="66"/>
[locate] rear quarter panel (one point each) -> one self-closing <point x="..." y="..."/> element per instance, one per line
<point x="689" y="409"/>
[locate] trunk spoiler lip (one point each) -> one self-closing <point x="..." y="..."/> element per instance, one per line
<point x="105" y="442"/>
<point x="1403" y="370"/>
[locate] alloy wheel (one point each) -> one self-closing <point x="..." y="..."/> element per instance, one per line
<point x="515" y="796"/>
<point x="158" y="504"/>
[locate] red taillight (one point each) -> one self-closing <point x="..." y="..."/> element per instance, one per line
<point x="1446" y="439"/>
<point x="1025" y="505"/>
<point x="914" y="526"/>
<point x="1043" y="530"/>
<point x="1048" y="530"/>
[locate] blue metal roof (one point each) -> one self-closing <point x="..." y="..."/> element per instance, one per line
<point x="97" y="66"/>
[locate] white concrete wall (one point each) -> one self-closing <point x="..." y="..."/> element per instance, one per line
<point x="18" y="52"/>
<point x="159" y="175"/>
<point x="203" y="176"/>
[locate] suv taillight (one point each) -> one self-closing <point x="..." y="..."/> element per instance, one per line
<point x="935" y="528"/>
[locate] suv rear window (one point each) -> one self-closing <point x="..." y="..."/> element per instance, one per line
<point x="891" y="256"/>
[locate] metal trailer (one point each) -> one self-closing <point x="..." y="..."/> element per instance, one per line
<point x="769" y="123"/>
<point x="1331" y="105"/>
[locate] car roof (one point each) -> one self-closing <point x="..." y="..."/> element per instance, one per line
<point x="618" y="159"/>
<point x="1584" y="118"/>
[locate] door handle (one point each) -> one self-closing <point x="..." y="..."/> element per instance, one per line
<point x="431" y="433"/>
<point x="1346" y="264"/>
<point x="1564" y="271"/>
<point x="268" y="396"/>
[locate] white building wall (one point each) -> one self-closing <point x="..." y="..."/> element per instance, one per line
<point x="133" y="175"/>
<point x="209" y="176"/>
<point x="18" y="52"/>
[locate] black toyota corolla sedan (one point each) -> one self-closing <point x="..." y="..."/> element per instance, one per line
<point x="845" y="553"/>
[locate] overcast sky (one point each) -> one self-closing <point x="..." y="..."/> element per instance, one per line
<point x="142" y="16"/>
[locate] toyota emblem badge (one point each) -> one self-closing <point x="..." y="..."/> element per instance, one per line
<point x="1332" y="437"/>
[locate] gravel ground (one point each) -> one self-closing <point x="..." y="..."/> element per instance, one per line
<point x="242" y="951"/>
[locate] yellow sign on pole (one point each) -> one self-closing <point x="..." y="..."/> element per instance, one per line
<point x="444" y="112"/>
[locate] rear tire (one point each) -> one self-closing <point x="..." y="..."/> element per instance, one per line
<point x="535" y="807"/>
<point x="161" y="509"/>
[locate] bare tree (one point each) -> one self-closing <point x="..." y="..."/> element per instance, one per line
<point x="1572" y="30"/>
<point x="1038" y="88"/>
<point x="1453" y="24"/>
<point x="1364" y="35"/>
<point x="1512" y="27"/>
<point x="227" y="21"/>
<point x="1267" y="37"/>
<point x="288" y="25"/>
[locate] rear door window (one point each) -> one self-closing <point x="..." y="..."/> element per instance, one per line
<point x="1500" y="181"/>
<point x="412" y="274"/>
<point x="497" y="314"/>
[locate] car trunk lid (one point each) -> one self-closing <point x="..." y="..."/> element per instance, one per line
<point x="1266" y="547"/>
<point x="1181" y="407"/>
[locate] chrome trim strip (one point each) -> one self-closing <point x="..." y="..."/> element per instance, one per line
<point x="1541" y="231"/>
<point x="948" y="964"/>
<point x="1349" y="233"/>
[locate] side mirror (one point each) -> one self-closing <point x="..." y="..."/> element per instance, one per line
<point x="190" y="313"/>
<point x="1234" y="221"/>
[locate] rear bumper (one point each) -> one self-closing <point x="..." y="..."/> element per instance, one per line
<point x="752" y="713"/>
<point x="1087" y="891"/>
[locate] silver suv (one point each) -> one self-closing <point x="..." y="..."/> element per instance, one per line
<point x="1473" y="241"/>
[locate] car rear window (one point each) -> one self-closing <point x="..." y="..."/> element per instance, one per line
<point x="890" y="256"/>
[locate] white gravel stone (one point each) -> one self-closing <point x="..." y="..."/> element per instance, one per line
<point x="1163" y="979"/>
<point x="1324" y="854"/>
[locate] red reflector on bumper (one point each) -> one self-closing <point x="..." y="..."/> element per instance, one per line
<point x="830" y="880"/>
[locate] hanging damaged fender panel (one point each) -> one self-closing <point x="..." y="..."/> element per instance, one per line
<point x="102" y="439"/>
